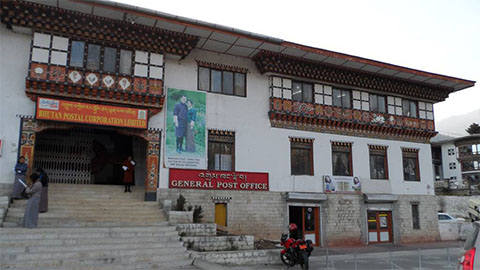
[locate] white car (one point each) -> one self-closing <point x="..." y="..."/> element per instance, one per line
<point x="444" y="217"/>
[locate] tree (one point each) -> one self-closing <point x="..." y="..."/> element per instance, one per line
<point x="474" y="128"/>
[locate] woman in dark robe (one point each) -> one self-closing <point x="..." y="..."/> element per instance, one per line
<point x="191" y="118"/>
<point x="44" y="197"/>
<point x="34" y="191"/>
<point x="127" y="167"/>
<point x="20" y="172"/>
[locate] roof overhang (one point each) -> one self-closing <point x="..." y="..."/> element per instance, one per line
<point x="380" y="198"/>
<point x="305" y="197"/>
<point x="228" y="40"/>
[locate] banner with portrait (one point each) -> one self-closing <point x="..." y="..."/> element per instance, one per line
<point x="341" y="184"/>
<point x="185" y="136"/>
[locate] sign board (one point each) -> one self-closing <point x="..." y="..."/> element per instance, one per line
<point x="219" y="180"/>
<point x="341" y="184"/>
<point x="87" y="113"/>
<point x="185" y="136"/>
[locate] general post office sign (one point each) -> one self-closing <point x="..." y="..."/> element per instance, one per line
<point x="220" y="180"/>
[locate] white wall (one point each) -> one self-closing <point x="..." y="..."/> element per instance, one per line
<point x="14" y="57"/>
<point x="446" y="160"/>
<point x="261" y="148"/>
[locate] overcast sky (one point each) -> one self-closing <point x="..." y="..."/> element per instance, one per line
<point x="439" y="36"/>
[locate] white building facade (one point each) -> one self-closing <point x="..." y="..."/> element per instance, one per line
<point x="342" y="142"/>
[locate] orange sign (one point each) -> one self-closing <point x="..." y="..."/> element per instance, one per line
<point x="77" y="112"/>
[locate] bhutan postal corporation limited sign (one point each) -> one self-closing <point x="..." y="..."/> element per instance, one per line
<point x="86" y="113"/>
<point x="221" y="180"/>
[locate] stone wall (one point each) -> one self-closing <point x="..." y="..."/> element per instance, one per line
<point x="262" y="214"/>
<point x="456" y="206"/>
<point x="402" y="216"/>
<point x="265" y="256"/>
<point x="343" y="220"/>
<point x="197" y="229"/>
<point x="216" y="243"/>
<point x="6" y="189"/>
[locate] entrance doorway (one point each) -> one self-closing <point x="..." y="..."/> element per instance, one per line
<point x="380" y="226"/>
<point x="221" y="214"/>
<point x="88" y="155"/>
<point x="308" y="222"/>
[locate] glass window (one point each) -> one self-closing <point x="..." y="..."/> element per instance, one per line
<point x="297" y="91"/>
<point x="341" y="160"/>
<point x="228" y="82"/>
<point x="410" y="166"/>
<point x="378" y="164"/>
<point x="76" y="54"/>
<point x="415" y="217"/>
<point x="125" y="62"/>
<point x="216" y="81"/>
<point x="109" y="59"/>
<point x="240" y="84"/>
<point x="341" y="98"/>
<point x="220" y="156"/>
<point x="377" y="103"/>
<point x="409" y="108"/>
<point x="93" y="57"/>
<point x="203" y="78"/>
<point x="301" y="158"/>
<point x="309" y="219"/>
<point x="307" y="92"/>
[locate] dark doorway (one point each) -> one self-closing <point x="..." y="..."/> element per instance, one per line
<point x="297" y="218"/>
<point x="88" y="155"/>
<point x="307" y="221"/>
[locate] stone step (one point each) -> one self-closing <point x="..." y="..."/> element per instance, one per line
<point x="79" y="224"/>
<point x="28" y="243"/>
<point x="39" y="247"/>
<point x="96" y="259"/>
<point x="163" y="226"/>
<point x="93" y="234"/>
<point x="179" y="265"/>
<point x="79" y="221"/>
<point x="92" y="211"/>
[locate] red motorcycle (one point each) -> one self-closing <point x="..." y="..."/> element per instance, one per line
<point x="295" y="251"/>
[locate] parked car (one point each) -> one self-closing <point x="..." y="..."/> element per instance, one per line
<point x="444" y="217"/>
<point x="474" y="209"/>
<point x="469" y="257"/>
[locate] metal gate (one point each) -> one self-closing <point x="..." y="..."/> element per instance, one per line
<point x="65" y="155"/>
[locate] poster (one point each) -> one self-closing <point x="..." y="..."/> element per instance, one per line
<point x="185" y="136"/>
<point x="341" y="184"/>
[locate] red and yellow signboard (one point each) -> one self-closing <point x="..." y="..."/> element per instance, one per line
<point x="221" y="180"/>
<point x="86" y="113"/>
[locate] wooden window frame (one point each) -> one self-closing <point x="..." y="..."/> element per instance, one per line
<point x="221" y="83"/>
<point x="225" y="137"/>
<point x="341" y="91"/>
<point x="343" y="149"/>
<point x="379" y="151"/>
<point x="305" y="145"/>
<point x="404" y="113"/>
<point x="410" y="154"/>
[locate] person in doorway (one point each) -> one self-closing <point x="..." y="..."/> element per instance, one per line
<point x="44" y="197"/>
<point x="180" y="121"/>
<point x="34" y="191"/>
<point x="20" y="174"/>
<point x="127" y="167"/>
<point x="190" y="134"/>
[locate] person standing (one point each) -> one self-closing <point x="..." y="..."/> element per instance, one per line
<point x="44" y="196"/>
<point x="180" y="120"/>
<point x="191" y="118"/>
<point x="34" y="191"/>
<point x="20" y="173"/>
<point x="127" y="167"/>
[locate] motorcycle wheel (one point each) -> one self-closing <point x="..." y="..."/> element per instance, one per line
<point x="286" y="260"/>
<point x="305" y="261"/>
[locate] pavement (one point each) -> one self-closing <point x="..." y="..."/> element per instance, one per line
<point x="422" y="256"/>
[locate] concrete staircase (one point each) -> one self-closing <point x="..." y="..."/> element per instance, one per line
<point x="92" y="227"/>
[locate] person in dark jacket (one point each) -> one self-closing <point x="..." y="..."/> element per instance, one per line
<point x="128" y="166"/>
<point x="20" y="174"/>
<point x="44" y="196"/>
<point x="34" y="191"/>
<point x="190" y="134"/>
<point x="180" y="120"/>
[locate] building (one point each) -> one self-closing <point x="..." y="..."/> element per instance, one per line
<point x="280" y="132"/>
<point x="457" y="159"/>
